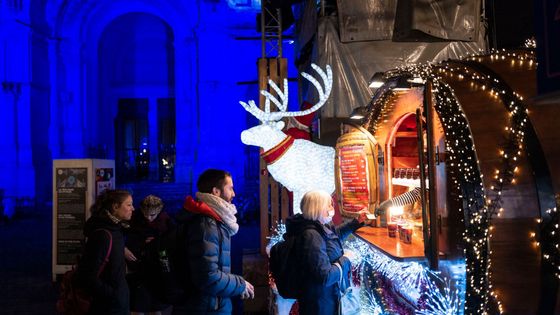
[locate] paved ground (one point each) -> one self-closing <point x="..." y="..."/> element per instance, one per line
<point x="25" y="263"/>
<point x="25" y="266"/>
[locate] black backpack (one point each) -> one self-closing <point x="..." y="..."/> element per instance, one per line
<point x="170" y="281"/>
<point x="285" y="265"/>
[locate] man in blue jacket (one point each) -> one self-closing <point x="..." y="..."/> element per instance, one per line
<point x="210" y="223"/>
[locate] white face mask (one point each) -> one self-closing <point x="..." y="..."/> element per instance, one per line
<point x="328" y="218"/>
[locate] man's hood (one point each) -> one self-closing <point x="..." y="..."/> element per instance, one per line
<point x="193" y="207"/>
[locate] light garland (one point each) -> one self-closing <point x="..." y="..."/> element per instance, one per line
<point x="478" y="204"/>
<point x="465" y="174"/>
<point x="424" y="289"/>
<point x="530" y="43"/>
<point x="464" y="166"/>
<point x="549" y="238"/>
<point x="301" y="165"/>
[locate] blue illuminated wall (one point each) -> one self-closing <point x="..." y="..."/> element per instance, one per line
<point x="65" y="64"/>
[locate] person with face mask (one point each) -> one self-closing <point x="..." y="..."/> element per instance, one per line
<point x="324" y="264"/>
<point x="210" y="223"/>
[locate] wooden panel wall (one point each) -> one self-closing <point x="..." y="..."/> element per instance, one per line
<point x="271" y="192"/>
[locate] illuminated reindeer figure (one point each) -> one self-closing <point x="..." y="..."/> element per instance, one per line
<point x="300" y="165"/>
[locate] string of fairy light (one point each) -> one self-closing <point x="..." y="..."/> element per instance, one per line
<point x="479" y="205"/>
<point x="549" y="238"/>
<point x="464" y="173"/>
<point x="511" y="150"/>
<point x="464" y="166"/>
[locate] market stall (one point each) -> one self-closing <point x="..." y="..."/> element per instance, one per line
<point x="458" y="137"/>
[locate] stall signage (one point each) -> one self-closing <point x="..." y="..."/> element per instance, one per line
<point x="356" y="172"/>
<point x="354" y="178"/>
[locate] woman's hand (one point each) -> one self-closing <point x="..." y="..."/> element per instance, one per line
<point x="249" y="292"/>
<point x="365" y="217"/>
<point x="128" y="255"/>
<point x="350" y="254"/>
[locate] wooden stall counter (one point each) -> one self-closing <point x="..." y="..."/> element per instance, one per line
<point x="392" y="246"/>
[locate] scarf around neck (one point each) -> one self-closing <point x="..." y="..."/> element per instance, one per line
<point x="117" y="220"/>
<point x="225" y="210"/>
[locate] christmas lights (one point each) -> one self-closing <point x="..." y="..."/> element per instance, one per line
<point x="300" y="165"/>
<point x="479" y="205"/>
<point x="425" y="291"/>
<point x="549" y="237"/>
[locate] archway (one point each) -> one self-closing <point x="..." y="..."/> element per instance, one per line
<point x="136" y="82"/>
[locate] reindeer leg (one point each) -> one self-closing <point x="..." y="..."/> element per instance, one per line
<point x="297" y="201"/>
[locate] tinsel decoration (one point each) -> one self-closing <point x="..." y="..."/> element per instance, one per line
<point x="478" y="205"/>
<point x="423" y="289"/>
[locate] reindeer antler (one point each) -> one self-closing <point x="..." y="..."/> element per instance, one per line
<point x="267" y="116"/>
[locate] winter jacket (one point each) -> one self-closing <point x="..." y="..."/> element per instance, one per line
<point x="143" y="276"/>
<point x="320" y="248"/>
<point x="140" y="230"/>
<point x="208" y="245"/>
<point x="109" y="290"/>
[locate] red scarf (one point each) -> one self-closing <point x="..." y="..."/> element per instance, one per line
<point x="278" y="150"/>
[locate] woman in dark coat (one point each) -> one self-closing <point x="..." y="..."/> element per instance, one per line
<point x="323" y="257"/>
<point x="146" y="227"/>
<point x="104" y="231"/>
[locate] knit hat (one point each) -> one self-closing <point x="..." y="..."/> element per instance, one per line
<point x="151" y="205"/>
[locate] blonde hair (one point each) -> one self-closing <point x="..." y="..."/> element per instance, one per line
<point x="313" y="204"/>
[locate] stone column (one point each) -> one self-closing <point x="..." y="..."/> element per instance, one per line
<point x="69" y="82"/>
<point x="186" y="98"/>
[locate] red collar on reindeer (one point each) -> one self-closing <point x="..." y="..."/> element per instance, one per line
<point x="278" y="150"/>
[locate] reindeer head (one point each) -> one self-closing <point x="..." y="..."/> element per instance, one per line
<point x="270" y="129"/>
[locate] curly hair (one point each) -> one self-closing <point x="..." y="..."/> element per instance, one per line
<point x="151" y="205"/>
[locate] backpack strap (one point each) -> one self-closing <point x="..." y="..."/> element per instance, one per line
<point x="106" y="260"/>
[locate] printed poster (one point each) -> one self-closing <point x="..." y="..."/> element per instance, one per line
<point x="71" y="189"/>
<point x="103" y="180"/>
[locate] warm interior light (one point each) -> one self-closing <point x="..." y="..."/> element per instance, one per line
<point x="395" y="211"/>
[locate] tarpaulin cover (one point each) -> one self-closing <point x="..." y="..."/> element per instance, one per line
<point x="354" y="63"/>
